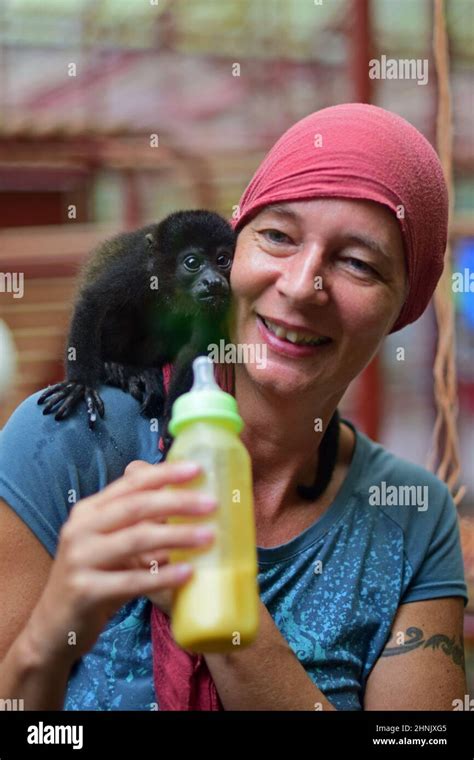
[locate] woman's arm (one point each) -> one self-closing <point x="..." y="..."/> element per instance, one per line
<point x="426" y="672"/>
<point x="267" y="675"/>
<point x="103" y="560"/>
<point x="422" y="666"/>
<point x="25" y="673"/>
<point x="33" y="674"/>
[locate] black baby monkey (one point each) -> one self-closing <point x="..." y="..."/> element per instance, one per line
<point x="145" y="298"/>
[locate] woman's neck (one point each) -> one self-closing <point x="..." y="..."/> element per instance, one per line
<point x="282" y="438"/>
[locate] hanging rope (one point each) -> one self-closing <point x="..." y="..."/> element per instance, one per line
<point x="445" y="444"/>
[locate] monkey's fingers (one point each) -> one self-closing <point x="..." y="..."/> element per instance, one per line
<point x="135" y="388"/>
<point x="152" y="380"/>
<point x="98" y="402"/>
<point x="152" y="405"/>
<point x="109" y="373"/>
<point x="55" y="400"/>
<point x="49" y="391"/>
<point x="121" y="377"/>
<point x="94" y="405"/>
<point x="115" y="375"/>
<point x="146" y="403"/>
<point x="70" y="402"/>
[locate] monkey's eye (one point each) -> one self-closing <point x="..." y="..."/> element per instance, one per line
<point x="224" y="261"/>
<point x="192" y="263"/>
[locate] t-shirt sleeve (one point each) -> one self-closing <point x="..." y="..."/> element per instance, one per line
<point x="436" y="559"/>
<point x="47" y="466"/>
<point x="35" y="472"/>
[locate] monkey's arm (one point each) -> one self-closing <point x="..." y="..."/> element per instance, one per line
<point x="83" y="363"/>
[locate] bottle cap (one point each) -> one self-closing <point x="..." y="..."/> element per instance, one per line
<point x="205" y="401"/>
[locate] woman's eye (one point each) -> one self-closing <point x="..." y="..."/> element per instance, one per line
<point x="275" y="236"/>
<point x="361" y="266"/>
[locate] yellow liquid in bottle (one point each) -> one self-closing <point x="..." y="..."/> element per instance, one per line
<point x="217" y="609"/>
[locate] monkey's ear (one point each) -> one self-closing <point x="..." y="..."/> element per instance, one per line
<point x="150" y="239"/>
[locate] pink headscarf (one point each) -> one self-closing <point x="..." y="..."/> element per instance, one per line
<point x="362" y="151"/>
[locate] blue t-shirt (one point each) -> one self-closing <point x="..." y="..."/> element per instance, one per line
<point x="333" y="590"/>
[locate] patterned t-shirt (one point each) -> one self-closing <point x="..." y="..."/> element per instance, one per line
<point x="389" y="537"/>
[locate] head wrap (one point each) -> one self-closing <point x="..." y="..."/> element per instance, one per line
<point x="362" y="151"/>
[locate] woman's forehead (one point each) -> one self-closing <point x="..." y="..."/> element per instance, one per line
<point x="297" y="209"/>
<point x="352" y="212"/>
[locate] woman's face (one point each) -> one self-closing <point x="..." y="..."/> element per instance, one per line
<point x="328" y="269"/>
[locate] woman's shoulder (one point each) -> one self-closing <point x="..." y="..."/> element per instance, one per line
<point x="390" y="481"/>
<point x="407" y="505"/>
<point x="122" y="430"/>
<point x="46" y="466"/>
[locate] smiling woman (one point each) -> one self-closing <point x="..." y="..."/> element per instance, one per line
<point x="334" y="252"/>
<point x="341" y="237"/>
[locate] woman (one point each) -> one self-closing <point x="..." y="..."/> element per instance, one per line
<point x="342" y="233"/>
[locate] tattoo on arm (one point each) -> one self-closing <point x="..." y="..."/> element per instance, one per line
<point x="414" y="638"/>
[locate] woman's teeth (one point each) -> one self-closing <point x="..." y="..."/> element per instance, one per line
<point x="292" y="336"/>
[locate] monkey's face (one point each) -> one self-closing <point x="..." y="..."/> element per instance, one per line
<point x="202" y="279"/>
<point x="200" y="244"/>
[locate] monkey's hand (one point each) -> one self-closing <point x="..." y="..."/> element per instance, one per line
<point x="149" y="384"/>
<point x="145" y="385"/>
<point x="62" y="399"/>
<point x="117" y="375"/>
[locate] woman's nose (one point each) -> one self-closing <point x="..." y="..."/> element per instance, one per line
<point x="304" y="276"/>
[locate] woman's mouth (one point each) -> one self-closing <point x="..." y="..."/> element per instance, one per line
<point x="290" y="342"/>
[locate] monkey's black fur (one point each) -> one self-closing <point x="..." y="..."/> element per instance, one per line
<point x="145" y="298"/>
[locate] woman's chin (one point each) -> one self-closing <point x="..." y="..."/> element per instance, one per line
<point x="280" y="379"/>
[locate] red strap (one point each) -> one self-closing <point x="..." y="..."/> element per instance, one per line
<point x="182" y="680"/>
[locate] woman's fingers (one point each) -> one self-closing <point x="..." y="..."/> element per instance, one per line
<point x="126" y="584"/>
<point x="147" y="476"/>
<point x="114" y="550"/>
<point x="136" y="464"/>
<point x="149" y="505"/>
<point x="149" y="559"/>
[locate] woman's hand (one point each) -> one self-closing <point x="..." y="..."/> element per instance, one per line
<point x="115" y="546"/>
<point x="162" y="598"/>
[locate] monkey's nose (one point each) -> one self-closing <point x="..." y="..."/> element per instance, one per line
<point x="214" y="288"/>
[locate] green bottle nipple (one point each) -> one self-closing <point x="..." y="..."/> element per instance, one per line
<point x="205" y="401"/>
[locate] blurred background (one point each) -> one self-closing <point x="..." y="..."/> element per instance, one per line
<point x="114" y="113"/>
